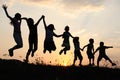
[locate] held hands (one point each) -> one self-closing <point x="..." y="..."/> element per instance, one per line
<point x="4" y="7"/>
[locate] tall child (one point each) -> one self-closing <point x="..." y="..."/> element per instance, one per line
<point x="66" y="43"/>
<point x="16" y="22"/>
<point x="33" y="36"/>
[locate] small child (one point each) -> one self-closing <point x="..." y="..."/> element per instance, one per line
<point x="66" y="42"/>
<point x="77" y="52"/>
<point x="102" y="53"/>
<point x="90" y="50"/>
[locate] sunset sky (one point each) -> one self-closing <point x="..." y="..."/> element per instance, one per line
<point x="97" y="19"/>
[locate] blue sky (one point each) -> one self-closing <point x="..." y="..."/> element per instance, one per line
<point x="98" y="19"/>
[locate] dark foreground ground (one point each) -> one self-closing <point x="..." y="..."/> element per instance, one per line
<point x="17" y="70"/>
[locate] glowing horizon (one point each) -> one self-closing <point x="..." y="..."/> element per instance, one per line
<point x="87" y="19"/>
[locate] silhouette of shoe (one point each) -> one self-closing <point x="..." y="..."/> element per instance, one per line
<point x="26" y="60"/>
<point x="73" y="64"/>
<point x="89" y="64"/>
<point x="32" y="54"/>
<point x="60" y="52"/>
<point x="65" y="52"/>
<point x="80" y="65"/>
<point x="49" y="51"/>
<point x="113" y="64"/>
<point x="44" y="51"/>
<point x="92" y="64"/>
<point x="10" y="52"/>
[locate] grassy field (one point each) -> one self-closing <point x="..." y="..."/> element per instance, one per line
<point x="17" y="70"/>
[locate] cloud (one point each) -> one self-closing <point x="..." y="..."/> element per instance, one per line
<point x="80" y="32"/>
<point x="73" y="5"/>
<point x="69" y="7"/>
<point x="8" y="2"/>
<point x="70" y="4"/>
<point x="47" y="3"/>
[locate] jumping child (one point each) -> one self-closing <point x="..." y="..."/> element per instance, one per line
<point x="49" y="42"/>
<point x="66" y="43"/>
<point x="16" y="22"/>
<point x="33" y="36"/>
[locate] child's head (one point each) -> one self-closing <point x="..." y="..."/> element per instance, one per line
<point x="75" y="39"/>
<point x="18" y="16"/>
<point x="101" y="43"/>
<point x="91" y="41"/>
<point x="31" y="21"/>
<point x="66" y="28"/>
<point x="51" y="27"/>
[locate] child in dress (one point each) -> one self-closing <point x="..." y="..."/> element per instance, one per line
<point x="66" y="43"/>
<point x="49" y="42"/>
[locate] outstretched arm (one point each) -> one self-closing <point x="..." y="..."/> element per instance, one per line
<point x="24" y="18"/>
<point x="57" y="35"/>
<point x="44" y="22"/>
<point x="108" y="47"/>
<point x="39" y="20"/>
<point x="5" y="9"/>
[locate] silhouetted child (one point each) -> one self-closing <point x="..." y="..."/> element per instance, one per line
<point x="102" y="53"/>
<point x="77" y="49"/>
<point x="33" y="36"/>
<point x="90" y="50"/>
<point x="66" y="42"/>
<point x="16" y="22"/>
<point x="49" y="42"/>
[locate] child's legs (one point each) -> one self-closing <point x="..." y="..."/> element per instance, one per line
<point x="29" y="50"/>
<point x="90" y="57"/>
<point x="75" y="57"/>
<point x="18" y="40"/>
<point x="79" y="56"/>
<point x="93" y="59"/>
<point x="98" y="60"/>
<point x="107" y="58"/>
<point x="35" y="47"/>
<point x="66" y="49"/>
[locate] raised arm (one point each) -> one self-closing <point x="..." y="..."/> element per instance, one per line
<point x="39" y="20"/>
<point x="5" y="9"/>
<point x="44" y="22"/>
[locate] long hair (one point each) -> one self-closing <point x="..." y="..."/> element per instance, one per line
<point x="17" y="17"/>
